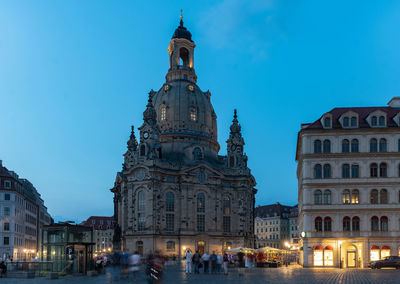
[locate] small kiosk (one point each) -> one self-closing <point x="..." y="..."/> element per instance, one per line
<point x="68" y="247"/>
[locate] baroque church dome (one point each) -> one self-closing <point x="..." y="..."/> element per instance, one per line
<point x="185" y="115"/>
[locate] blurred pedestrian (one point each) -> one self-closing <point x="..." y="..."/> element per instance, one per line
<point x="3" y="269"/>
<point x="240" y="256"/>
<point x="124" y="259"/>
<point x="134" y="264"/>
<point x="220" y="261"/>
<point x="196" y="261"/>
<point x="226" y="261"/>
<point x="188" y="261"/>
<point x="213" y="259"/>
<point x="206" y="258"/>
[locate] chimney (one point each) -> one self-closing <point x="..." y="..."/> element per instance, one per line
<point x="394" y="102"/>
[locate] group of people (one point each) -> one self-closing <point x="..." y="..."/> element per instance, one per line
<point x="213" y="263"/>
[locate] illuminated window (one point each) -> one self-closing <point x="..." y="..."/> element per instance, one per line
<point x="355" y="196"/>
<point x="193" y="114"/>
<point x="163" y="113"/>
<point x="346" y="196"/>
<point x="328" y="256"/>
<point x="318" y="256"/>
<point x="374" y="253"/>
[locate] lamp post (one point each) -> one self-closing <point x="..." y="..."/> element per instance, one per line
<point x="287" y="245"/>
<point x="340" y="253"/>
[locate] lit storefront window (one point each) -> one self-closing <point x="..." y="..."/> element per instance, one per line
<point x="374" y="255"/>
<point x="318" y="256"/>
<point x="385" y="251"/>
<point x="328" y="256"/>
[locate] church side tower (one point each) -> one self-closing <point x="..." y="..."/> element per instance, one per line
<point x="235" y="143"/>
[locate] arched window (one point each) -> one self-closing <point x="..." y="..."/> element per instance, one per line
<point x="345" y="171"/>
<point x="373" y="145"/>
<point x="345" y="146"/>
<point x="355" y="224"/>
<point x="346" y="224"/>
<point x="381" y="120"/>
<point x="201" y="200"/>
<point x="318" y="224"/>
<point x="382" y="145"/>
<point x="383" y="170"/>
<point x="374" y="196"/>
<point x="354" y="146"/>
<point x="327" y="146"/>
<point x="317" y="171"/>
<point x="227" y="205"/>
<point x="384" y="224"/>
<point x="355" y="171"/>
<point x="141" y="201"/>
<point x="384" y="196"/>
<point x="345" y="122"/>
<point x="327" y="171"/>
<point x="355" y="195"/>
<point x="317" y="146"/>
<point x="317" y="197"/>
<point x="184" y="57"/>
<point x="327" y="196"/>
<point x="327" y="224"/>
<point x="201" y="219"/>
<point x="373" y="170"/>
<point x="170" y="202"/>
<point x="374" y="121"/>
<point x="374" y="224"/>
<point x="193" y="113"/>
<point x="163" y="113"/>
<point x="197" y="154"/>
<point x="346" y="196"/>
<point x="142" y="150"/>
<point x="353" y="121"/>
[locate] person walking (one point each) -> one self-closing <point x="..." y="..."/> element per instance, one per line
<point x="213" y="259"/>
<point x="134" y="264"/>
<point x="240" y="256"/>
<point x="188" y="261"/>
<point x="196" y="262"/>
<point x="226" y="261"/>
<point x="206" y="258"/>
<point x="220" y="261"/>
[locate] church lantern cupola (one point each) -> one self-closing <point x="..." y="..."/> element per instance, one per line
<point x="181" y="52"/>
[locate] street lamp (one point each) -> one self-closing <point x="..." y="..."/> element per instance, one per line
<point x="340" y="253"/>
<point x="287" y="245"/>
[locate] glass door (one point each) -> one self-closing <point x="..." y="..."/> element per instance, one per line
<point x="351" y="259"/>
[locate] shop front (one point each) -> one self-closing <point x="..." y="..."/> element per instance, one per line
<point x="323" y="256"/>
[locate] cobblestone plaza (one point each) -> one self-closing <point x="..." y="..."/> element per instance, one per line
<point x="284" y="275"/>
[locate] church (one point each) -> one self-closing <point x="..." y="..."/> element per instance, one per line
<point x="174" y="191"/>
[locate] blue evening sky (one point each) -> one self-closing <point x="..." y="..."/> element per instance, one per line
<point x="74" y="75"/>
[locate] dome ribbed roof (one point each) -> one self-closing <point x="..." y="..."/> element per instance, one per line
<point x="182" y="32"/>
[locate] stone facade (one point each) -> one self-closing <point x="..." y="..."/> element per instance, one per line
<point x="175" y="191"/>
<point x="103" y="232"/>
<point x="275" y="225"/>
<point x="349" y="198"/>
<point x="22" y="215"/>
